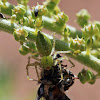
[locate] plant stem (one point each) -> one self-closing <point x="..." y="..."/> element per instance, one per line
<point x="87" y="60"/>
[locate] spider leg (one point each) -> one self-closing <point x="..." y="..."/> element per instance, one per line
<point x="58" y="63"/>
<point x="63" y="57"/>
<point x="33" y="56"/>
<point x="35" y="64"/>
<point x="53" y="47"/>
<point x="60" y="52"/>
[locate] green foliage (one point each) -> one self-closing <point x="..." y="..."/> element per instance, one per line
<point x="24" y="50"/>
<point x="82" y="17"/>
<point x="61" y="19"/>
<point x="90" y="30"/>
<point x="77" y="44"/>
<point x="20" y="34"/>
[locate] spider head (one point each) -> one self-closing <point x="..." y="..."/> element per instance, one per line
<point x="47" y="62"/>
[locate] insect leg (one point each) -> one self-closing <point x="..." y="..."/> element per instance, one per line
<point x="35" y="64"/>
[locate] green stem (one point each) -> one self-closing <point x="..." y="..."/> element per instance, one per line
<point x="88" y="60"/>
<point x="88" y="50"/>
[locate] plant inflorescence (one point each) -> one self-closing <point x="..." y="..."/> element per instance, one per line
<point x="26" y="25"/>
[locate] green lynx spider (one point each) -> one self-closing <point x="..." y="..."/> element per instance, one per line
<point x="46" y="62"/>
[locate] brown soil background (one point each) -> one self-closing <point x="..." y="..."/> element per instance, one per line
<point x="24" y="89"/>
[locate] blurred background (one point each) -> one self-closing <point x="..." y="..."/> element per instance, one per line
<point x="13" y="82"/>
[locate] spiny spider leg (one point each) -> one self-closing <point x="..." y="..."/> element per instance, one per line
<point x="60" y="52"/>
<point x="35" y="64"/>
<point x="33" y="56"/>
<point x="64" y="57"/>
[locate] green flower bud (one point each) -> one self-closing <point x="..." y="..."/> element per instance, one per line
<point x="23" y="51"/>
<point x="51" y="4"/>
<point x="56" y="10"/>
<point x="89" y="75"/>
<point x="43" y="44"/>
<point x="30" y="22"/>
<point x="93" y="80"/>
<point x="82" y="17"/>
<point x="81" y="78"/>
<point x="38" y="22"/>
<point x="61" y="19"/>
<point x="89" y="31"/>
<point x="25" y="20"/>
<point x="19" y="11"/>
<point x="77" y="44"/>
<point x="86" y="76"/>
<point x="13" y="18"/>
<point x="20" y="34"/>
<point x="89" y="42"/>
<point x="44" y="11"/>
<point x="66" y="33"/>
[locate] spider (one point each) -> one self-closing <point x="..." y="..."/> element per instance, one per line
<point x="46" y="62"/>
<point x="53" y="76"/>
